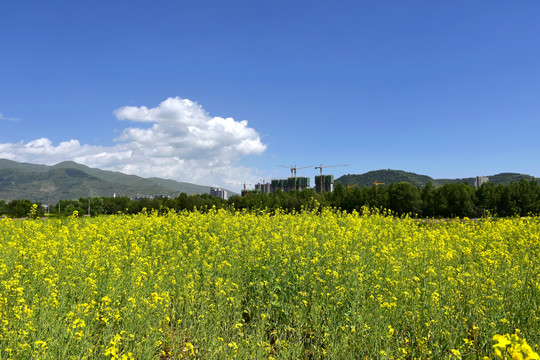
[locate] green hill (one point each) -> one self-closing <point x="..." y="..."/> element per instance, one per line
<point x="383" y="176"/>
<point x="506" y="178"/>
<point x="69" y="180"/>
<point x="395" y="176"/>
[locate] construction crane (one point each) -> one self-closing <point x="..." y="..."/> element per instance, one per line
<point x="349" y="187"/>
<point x="244" y="183"/>
<point x="293" y="171"/>
<point x="326" y="166"/>
<point x="244" y="193"/>
<point x="375" y="183"/>
<point x="239" y="183"/>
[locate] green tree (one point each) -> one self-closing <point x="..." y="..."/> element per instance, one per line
<point x="354" y="199"/>
<point x="526" y="196"/>
<point x="3" y="207"/>
<point x="19" y="208"/>
<point x="404" y="198"/>
<point x="429" y="203"/>
<point x="337" y="196"/>
<point x="486" y="199"/>
<point x="456" y="200"/>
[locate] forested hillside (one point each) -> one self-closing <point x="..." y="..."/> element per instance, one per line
<point x="394" y="176"/>
<point x="69" y="180"/>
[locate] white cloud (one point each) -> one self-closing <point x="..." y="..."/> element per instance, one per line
<point x="2" y="117"/>
<point x="183" y="143"/>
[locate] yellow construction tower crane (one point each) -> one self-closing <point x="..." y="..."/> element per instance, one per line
<point x="326" y="166"/>
<point x="293" y="171"/>
<point x="375" y="183"/>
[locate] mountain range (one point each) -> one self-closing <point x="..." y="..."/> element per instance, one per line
<point x="394" y="176"/>
<point x="70" y="180"/>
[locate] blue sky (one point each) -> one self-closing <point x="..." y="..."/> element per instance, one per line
<point x="164" y="88"/>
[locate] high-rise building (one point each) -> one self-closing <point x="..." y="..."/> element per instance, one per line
<point x="220" y="193"/>
<point x="264" y="188"/>
<point x="289" y="184"/>
<point x="479" y="180"/>
<point x="327" y="184"/>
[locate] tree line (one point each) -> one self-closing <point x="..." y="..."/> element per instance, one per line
<point x="447" y="201"/>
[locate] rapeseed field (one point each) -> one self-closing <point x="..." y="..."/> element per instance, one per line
<point x="309" y="285"/>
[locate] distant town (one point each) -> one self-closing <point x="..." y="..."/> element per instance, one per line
<point x="323" y="183"/>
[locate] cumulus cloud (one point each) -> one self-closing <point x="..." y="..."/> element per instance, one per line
<point x="183" y="143"/>
<point x="2" y="117"/>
